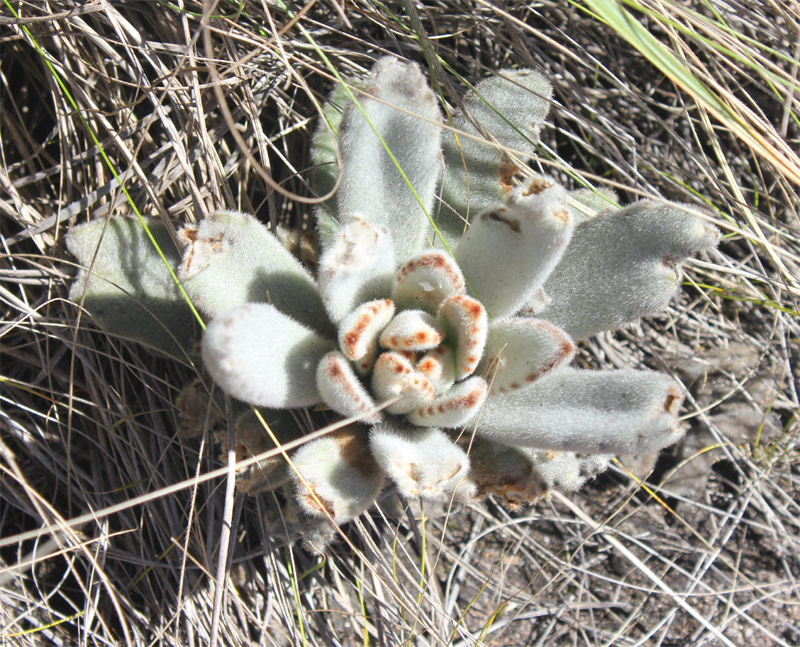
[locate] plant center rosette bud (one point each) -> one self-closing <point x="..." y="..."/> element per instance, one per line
<point x="418" y="351"/>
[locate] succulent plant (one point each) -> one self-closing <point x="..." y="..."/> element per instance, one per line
<point x="453" y="283"/>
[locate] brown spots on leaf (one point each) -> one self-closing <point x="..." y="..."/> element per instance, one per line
<point x="355" y="451"/>
<point x="469" y="306"/>
<point x="335" y="372"/>
<point x="464" y="402"/>
<point x="506" y="173"/>
<point x="468" y="317"/>
<point x="498" y="215"/>
<point x="202" y="248"/>
<point x="353" y="338"/>
<point x="474" y="309"/>
<point x="422" y="337"/>
<point x="345" y="382"/>
<point x="536" y="186"/>
<point x="672" y="265"/>
<point x="438" y="262"/>
<point x="562" y="215"/>
<point x="427" y="366"/>
<point x="315" y="502"/>
<point x="673" y="396"/>
<point x="188" y="234"/>
<point x="470" y="400"/>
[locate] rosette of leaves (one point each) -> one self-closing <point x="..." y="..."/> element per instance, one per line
<point x="452" y="286"/>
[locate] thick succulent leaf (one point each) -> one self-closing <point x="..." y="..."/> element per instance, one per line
<point x="358" y="266"/>
<point x="508" y="252"/>
<point x="511" y="107"/>
<point x="405" y="113"/>
<point x="359" y="331"/>
<point x="395" y="377"/>
<point x="466" y="324"/>
<point x="421" y="462"/>
<point x="455" y="407"/>
<point x="263" y="357"/>
<point x="439" y="366"/>
<point x="323" y="153"/>
<point x="340" y="474"/>
<point x="502" y="471"/>
<point x="412" y="330"/>
<point x="341" y="389"/>
<point x="130" y="291"/>
<point x="622" y="265"/>
<point x="601" y="412"/>
<point x="567" y="471"/>
<point x="426" y="280"/>
<point x="232" y="259"/>
<point x="520" y="351"/>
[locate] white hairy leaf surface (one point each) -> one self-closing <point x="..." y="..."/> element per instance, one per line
<point x="231" y="259"/>
<point x="454" y="408"/>
<point x="508" y="252"/>
<point x="340" y="474"/>
<point x="602" y="412"/>
<point x="130" y="291"/>
<point x="323" y="153"/>
<point x="357" y="266"/>
<point x="359" y="331"/>
<point x="439" y="366"/>
<point x="341" y="389"/>
<point x="261" y="356"/>
<point x="622" y="265"/>
<point x="412" y="330"/>
<point x="426" y="280"/>
<point x="395" y="377"/>
<point x="519" y="351"/>
<point x="466" y="324"/>
<point x="421" y="462"/>
<point x="401" y="108"/>
<point x="567" y="471"/>
<point x="511" y="108"/>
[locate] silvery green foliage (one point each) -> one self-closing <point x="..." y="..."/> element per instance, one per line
<point x="391" y="131"/>
<point x="510" y="109"/>
<point x="232" y="244"/>
<point x="127" y="288"/>
<point x="454" y="370"/>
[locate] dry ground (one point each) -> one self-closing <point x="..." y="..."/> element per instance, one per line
<point x="110" y="527"/>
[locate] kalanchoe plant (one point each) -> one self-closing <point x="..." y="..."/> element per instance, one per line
<point x="449" y="346"/>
